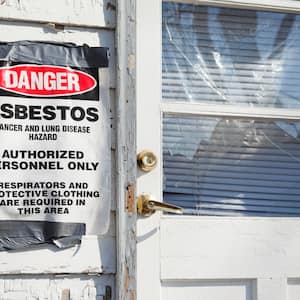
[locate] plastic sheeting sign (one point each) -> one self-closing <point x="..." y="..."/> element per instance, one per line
<point x="55" y="143"/>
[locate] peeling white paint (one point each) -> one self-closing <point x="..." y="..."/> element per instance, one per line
<point x="54" y="288"/>
<point x="84" y="13"/>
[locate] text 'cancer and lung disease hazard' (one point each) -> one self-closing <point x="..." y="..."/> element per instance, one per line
<point x="54" y="146"/>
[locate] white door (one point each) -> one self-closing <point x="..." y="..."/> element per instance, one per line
<point x="218" y="103"/>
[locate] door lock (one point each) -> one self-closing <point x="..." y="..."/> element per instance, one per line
<point x="146" y="206"/>
<point x="146" y="160"/>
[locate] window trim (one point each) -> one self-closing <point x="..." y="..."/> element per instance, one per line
<point x="284" y="6"/>
<point x="230" y="111"/>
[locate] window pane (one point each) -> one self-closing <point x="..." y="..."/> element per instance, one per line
<point x="232" y="166"/>
<point x="230" y="56"/>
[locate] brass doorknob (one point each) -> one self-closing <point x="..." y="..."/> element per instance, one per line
<point x="146" y="160"/>
<point x="146" y="206"/>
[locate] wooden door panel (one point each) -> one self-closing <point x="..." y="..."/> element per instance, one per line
<point x="209" y="290"/>
<point x="212" y="247"/>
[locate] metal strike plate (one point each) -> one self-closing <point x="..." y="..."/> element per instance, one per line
<point x="146" y="206"/>
<point x="146" y="160"/>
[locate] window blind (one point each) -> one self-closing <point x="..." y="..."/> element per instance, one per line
<point x="230" y="56"/>
<point x="232" y="167"/>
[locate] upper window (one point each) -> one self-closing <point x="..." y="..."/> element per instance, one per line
<point x="225" y="165"/>
<point x="230" y="56"/>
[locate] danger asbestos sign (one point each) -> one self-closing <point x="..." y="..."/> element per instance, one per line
<point x="55" y="143"/>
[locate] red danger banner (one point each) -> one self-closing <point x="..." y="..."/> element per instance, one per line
<point x="45" y="81"/>
<point x="54" y="143"/>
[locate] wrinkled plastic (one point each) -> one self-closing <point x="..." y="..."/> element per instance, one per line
<point x="16" y="234"/>
<point x="230" y="56"/>
<point x="50" y="53"/>
<point x="231" y="166"/>
<point x="219" y="166"/>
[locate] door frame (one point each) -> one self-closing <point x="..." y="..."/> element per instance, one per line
<point x="125" y="154"/>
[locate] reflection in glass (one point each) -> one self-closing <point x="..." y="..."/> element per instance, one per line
<point x="232" y="166"/>
<point x="230" y="56"/>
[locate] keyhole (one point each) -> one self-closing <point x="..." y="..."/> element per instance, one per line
<point x="149" y="161"/>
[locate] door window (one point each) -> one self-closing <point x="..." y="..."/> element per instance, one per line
<point x="233" y="61"/>
<point x="230" y="56"/>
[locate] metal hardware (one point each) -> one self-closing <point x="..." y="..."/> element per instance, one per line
<point x="108" y="293"/>
<point x="130" y="198"/>
<point x="146" y="160"/>
<point x="146" y="206"/>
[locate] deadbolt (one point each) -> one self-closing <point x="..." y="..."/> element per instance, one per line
<point x="146" y="160"/>
<point x="146" y="206"/>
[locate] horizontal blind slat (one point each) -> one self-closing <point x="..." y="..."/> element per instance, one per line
<point x="222" y="55"/>
<point x="230" y="56"/>
<point x="224" y="166"/>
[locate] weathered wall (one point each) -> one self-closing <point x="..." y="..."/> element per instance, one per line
<point x="87" y="271"/>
